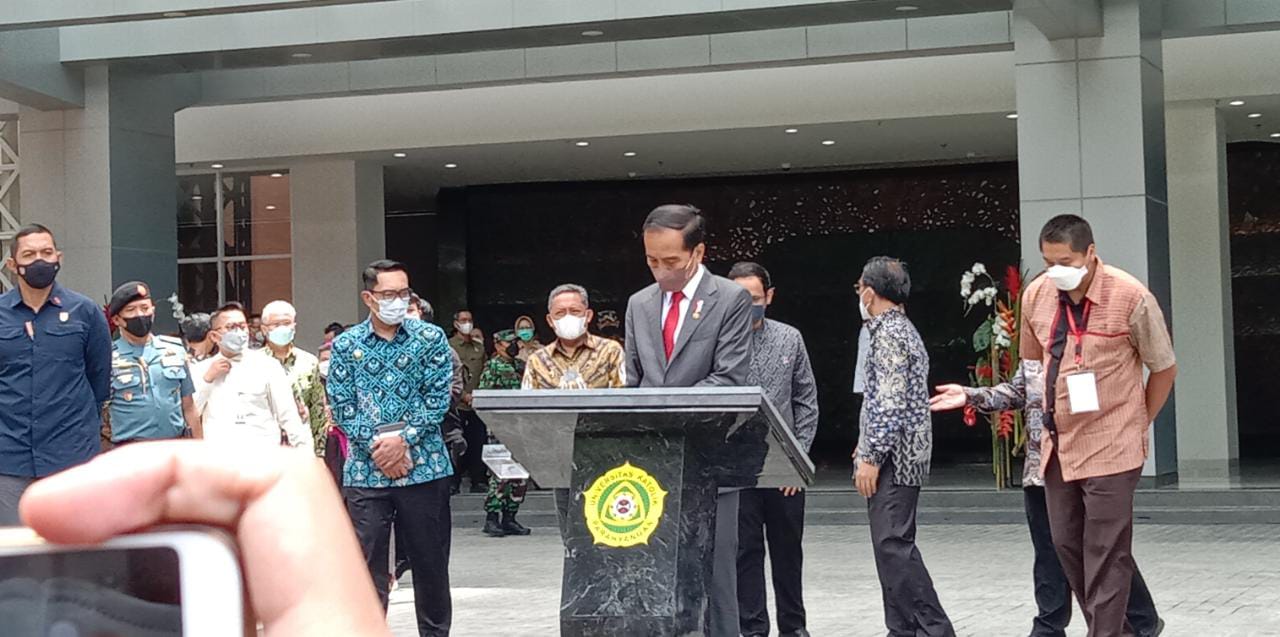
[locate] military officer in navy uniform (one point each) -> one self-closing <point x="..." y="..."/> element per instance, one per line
<point x="151" y="387"/>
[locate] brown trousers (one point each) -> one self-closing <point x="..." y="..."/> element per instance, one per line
<point x="1092" y="525"/>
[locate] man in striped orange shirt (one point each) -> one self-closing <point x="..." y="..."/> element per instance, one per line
<point x="1094" y="326"/>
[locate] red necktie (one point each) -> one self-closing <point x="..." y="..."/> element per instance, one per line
<point x="669" y="325"/>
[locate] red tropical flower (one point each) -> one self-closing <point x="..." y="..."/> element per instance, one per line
<point x="1005" y="427"/>
<point x="983" y="371"/>
<point x="1013" y="281"/>
<point x="970" y="416"/>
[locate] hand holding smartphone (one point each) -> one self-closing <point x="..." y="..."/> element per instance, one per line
<point x="317" y="586"/>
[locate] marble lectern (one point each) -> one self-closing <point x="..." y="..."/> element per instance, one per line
<point x="643" y="467"/>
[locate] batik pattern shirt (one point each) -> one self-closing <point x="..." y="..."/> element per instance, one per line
<point x="1025" y="391"/>
<point x="896" y="424"/>
<point x="303" y="369"/>
<point x="780" y="364"/>
<point x="373" y="382"/>
<point x="597" y="364"/>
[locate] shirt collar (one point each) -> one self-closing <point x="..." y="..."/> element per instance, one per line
<point x="55" y="296"/>
<point x="123" y="344"/>
<point x="877" y="321"/>
<point x="592" y="342"/>
<point x="1094" y="293"/>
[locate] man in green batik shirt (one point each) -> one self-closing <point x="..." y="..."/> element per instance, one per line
<point x="503" y="371"/>
<point x="279" y="326"/>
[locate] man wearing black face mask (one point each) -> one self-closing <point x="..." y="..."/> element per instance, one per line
<point x="55" y="357"/>
<point x="151" y="387"/>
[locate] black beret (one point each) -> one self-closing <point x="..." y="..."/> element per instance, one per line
<point x="126" y="294"/>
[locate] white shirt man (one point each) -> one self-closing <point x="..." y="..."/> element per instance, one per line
<point x="690" y="289"/>
<point x="242" y="395"/>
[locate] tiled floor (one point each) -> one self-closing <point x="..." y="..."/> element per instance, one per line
<point x="1219" y="581"/>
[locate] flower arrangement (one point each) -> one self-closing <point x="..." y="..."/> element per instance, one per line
<point x="996" y="343"/>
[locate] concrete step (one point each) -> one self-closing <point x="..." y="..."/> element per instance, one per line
<point x="840" y="507"/>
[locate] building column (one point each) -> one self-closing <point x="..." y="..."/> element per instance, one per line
<point x="1200" y="259"/>
<point x="102" y="179"/>
<point x="1091" y="142"/>
<point x="338" y="228"/>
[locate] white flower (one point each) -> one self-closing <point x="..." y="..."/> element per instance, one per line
<point x="965" y="290"/>
<point x="1003" y="341"/>
<point x="973" y="300"/>
<point x="978" y="268"/>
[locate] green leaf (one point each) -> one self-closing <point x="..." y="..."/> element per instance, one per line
<point x="982" y="337"/>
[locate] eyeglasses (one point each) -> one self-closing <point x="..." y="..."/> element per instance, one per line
<point x="390" y="295"/>
<point x="233" y="326"/>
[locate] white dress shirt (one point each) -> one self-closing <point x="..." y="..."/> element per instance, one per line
<point x="251" y="404"/>
<point x="689" y="289"/>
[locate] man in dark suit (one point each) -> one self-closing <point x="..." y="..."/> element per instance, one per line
<point x="692" y="328"/>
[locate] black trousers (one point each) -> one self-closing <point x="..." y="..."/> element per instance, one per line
<point x="723" y="611"/>
<point x="422" y="517"/>
<point x="1053" y="592"/>
<point x="911" y="606"/>
<point x="767" y="514"/>
<point x="476" y="434"/>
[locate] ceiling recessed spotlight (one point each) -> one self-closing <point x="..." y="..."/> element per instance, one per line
<point x="786" y="165"/>
<point x="1255" y="115"/>
<point x="791" y="131"/>
<point x="906" y="7"/>
<point x="216" y="166"/>
<point x="300" y="56"/>
<point x="582" y="144"/>
<point x="632" y="174"/>
<point x="271" y="207"/>
<point x="828" y="142"/>
<point x="630" y="153"/>
<point x="399" y="155"/>
<point x="276" y="175"/>
<point x="592" y="33"/>
<point x="1011" y="116"/>
<point x="174" y="14"/>
<point x="1236" y="102"/>
<point x="451" y="165"/>
<point x="1275" y="135"/>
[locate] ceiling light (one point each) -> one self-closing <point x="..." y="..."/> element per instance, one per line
<point x="592" y="33"/>
<point x="271" y="207"/>
<point x="216" y="166"/>
<point x="791" y="131"/>
<point x="450" y="165"/>
<point x="828" y="142"/>
<point x="197" y="197"/>
<point x="399" y="155"/>
<point x="630" y="153"/>
<point x="1255" y="115"/>
<point x="632" y="174"/>
<point x="276" y="175"/>
<point x="175" y="14"/>
<point x="582" y="144"/>
<point x="300" y="56"/>
<point x="906" y="7"/>
<point x="1011" y="116"/>
<point x="1236" y="102"/>
<point x="1275" y="135"/>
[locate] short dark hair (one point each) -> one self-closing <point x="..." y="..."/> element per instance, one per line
<point x="888" y="277"/>
<point x="371" y="272"/>
<point x="195" y="327"/>
<point x="26" y="231"/>
<point x="683" y="217"/>
<point x="748" y="269"/>
<point x="229" y="306"/>
<point x="459" y="313"/>
<point x="1069" y="229"/>
<point x="336" y="328"/>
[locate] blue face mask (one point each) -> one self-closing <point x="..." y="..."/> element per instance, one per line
<point x="281" y="336"/>
<point x="757" y="313"/>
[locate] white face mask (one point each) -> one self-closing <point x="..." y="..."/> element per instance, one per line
<point x="465" y="328"/>
<point x="234" y="341"/>
<point x="394" y="311"/>
<point x="863" y="309"/>
<point x="1066" y="277"/>
<point x="570" y="327"/>
<point x="324" y="369"/>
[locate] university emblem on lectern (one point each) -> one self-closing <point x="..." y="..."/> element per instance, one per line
<point x="623" y="506"/>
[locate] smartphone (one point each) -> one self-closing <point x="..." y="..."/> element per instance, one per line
<point x="174" y="582"/>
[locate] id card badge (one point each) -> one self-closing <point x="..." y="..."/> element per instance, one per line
<point x="1082" y="390"/>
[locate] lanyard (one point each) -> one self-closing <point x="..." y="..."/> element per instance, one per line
<point x="1078" y="332"/>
